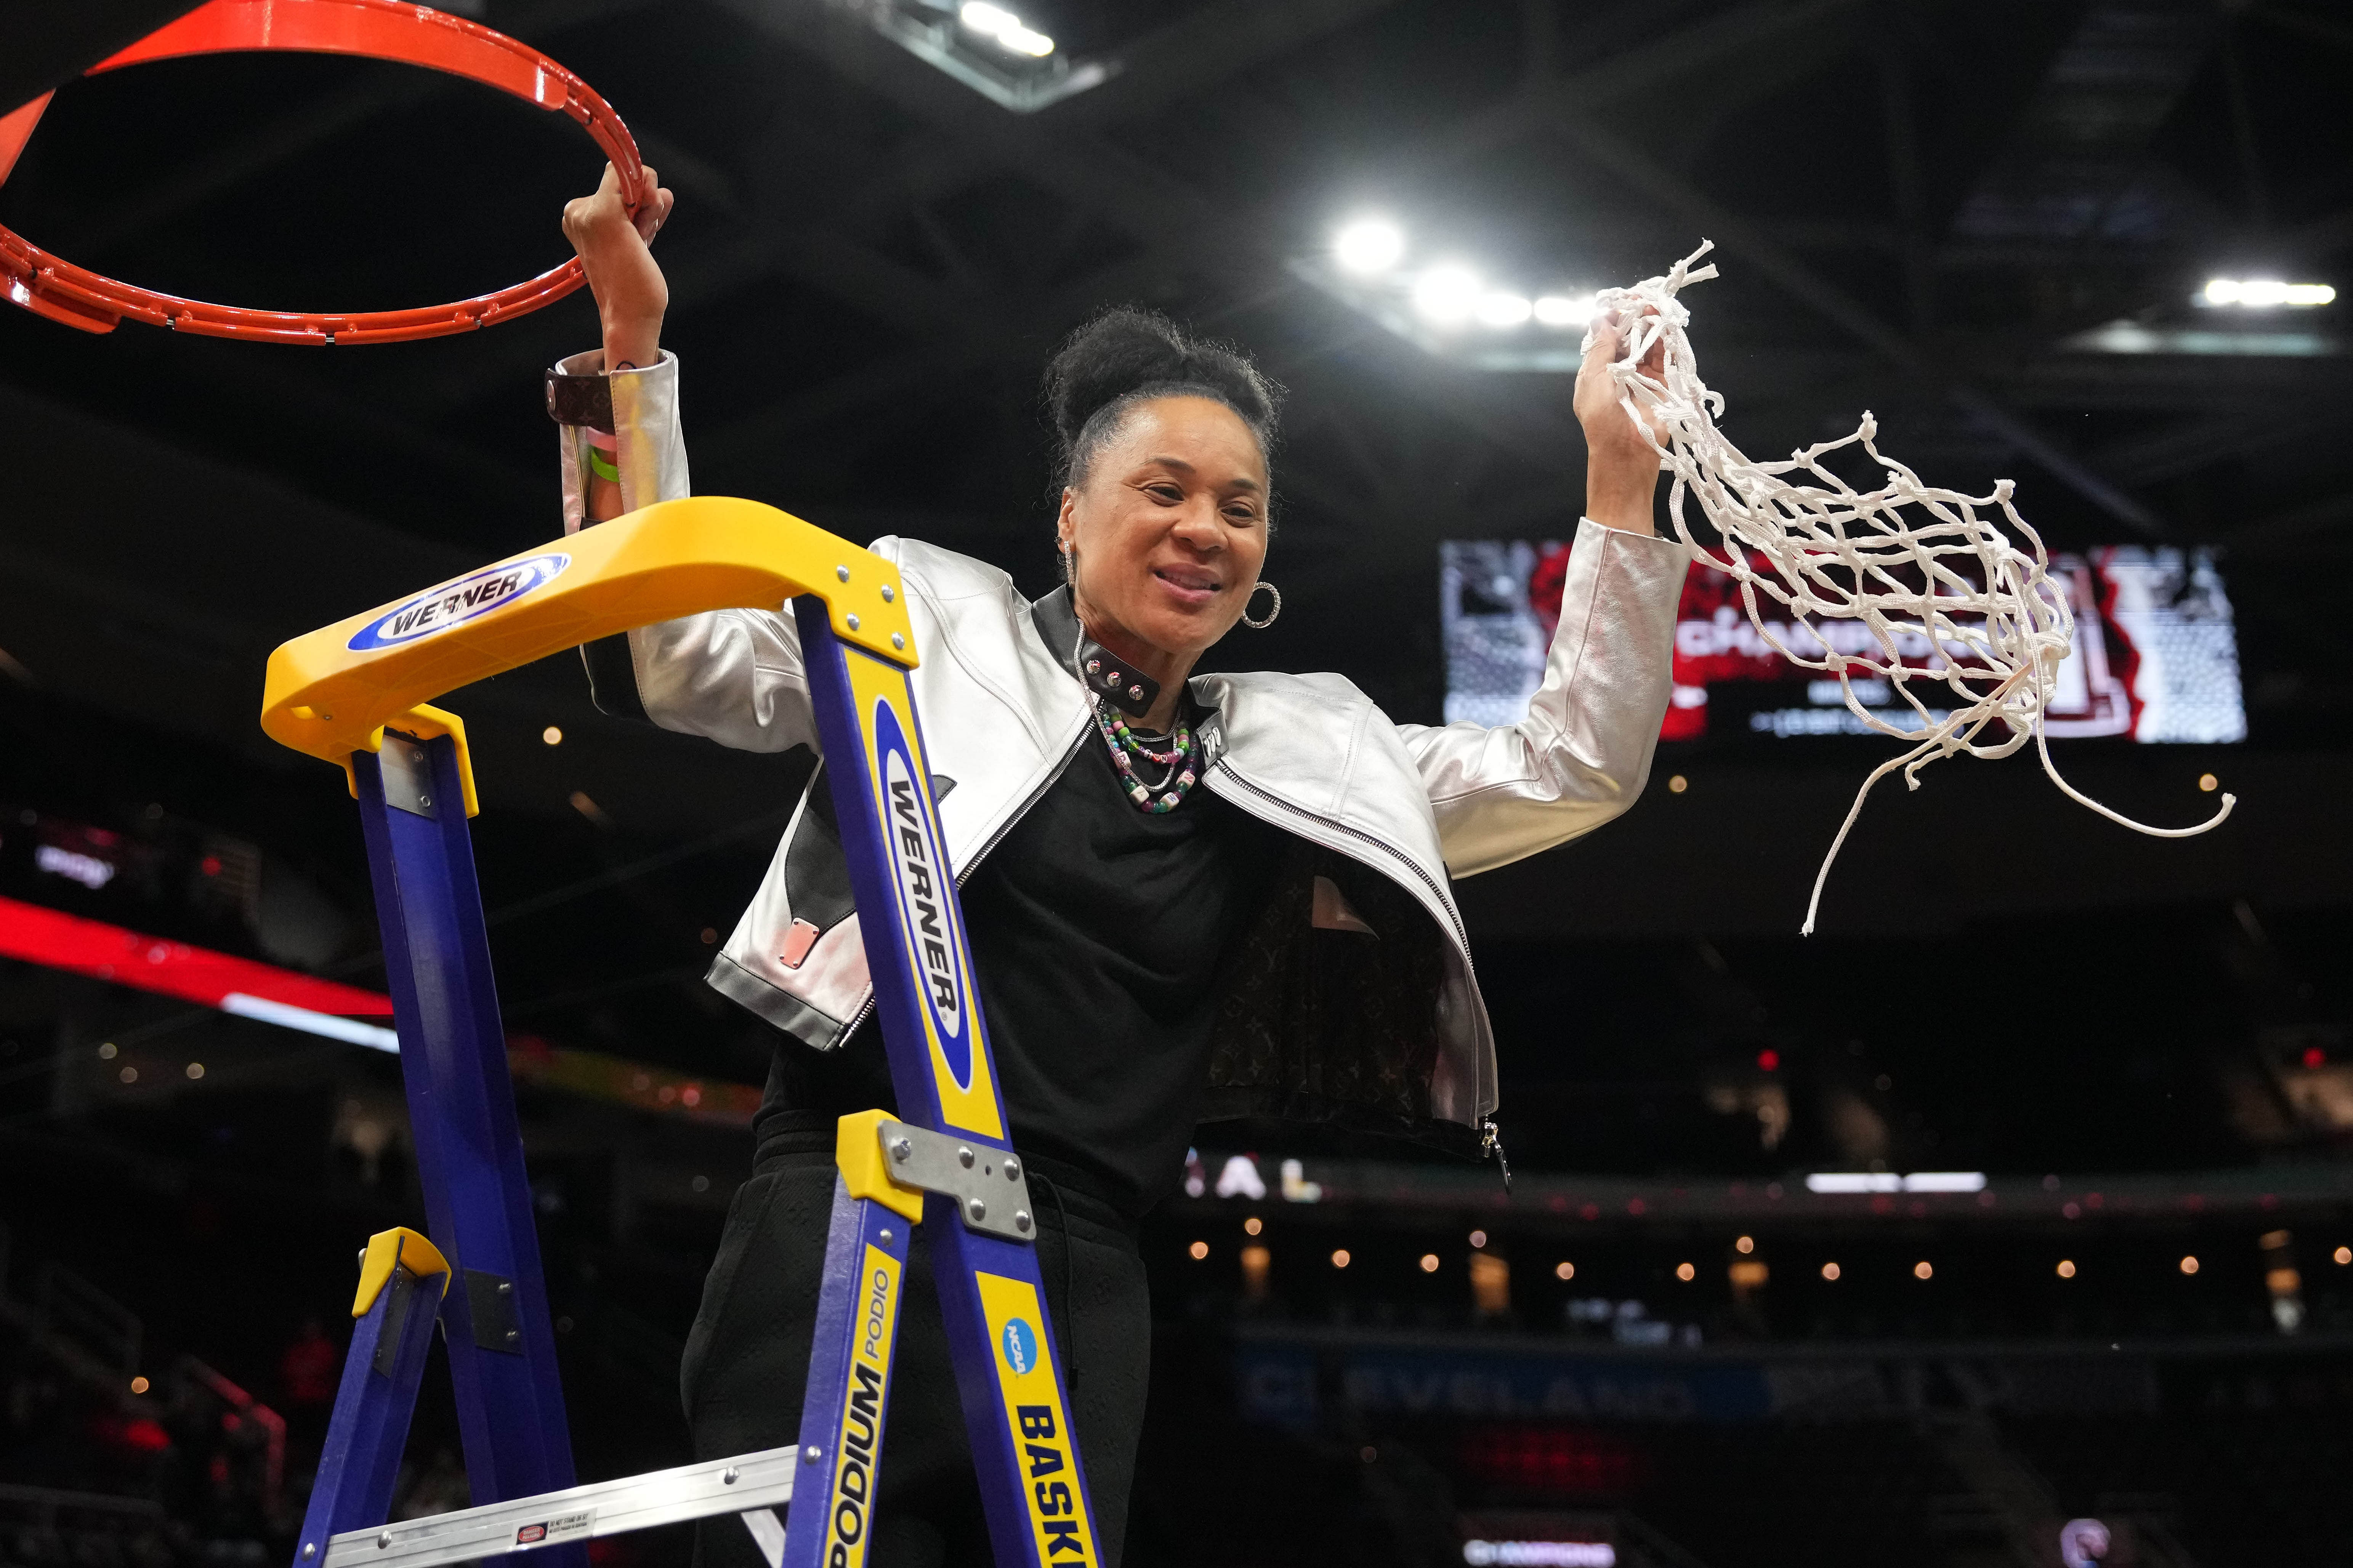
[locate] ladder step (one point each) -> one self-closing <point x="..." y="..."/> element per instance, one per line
<point x="744" y="1483"/>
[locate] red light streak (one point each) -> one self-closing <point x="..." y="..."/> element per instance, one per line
<point x="126" y="957"/>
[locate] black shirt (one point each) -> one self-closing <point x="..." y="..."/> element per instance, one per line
<point x="1098" y="931"/>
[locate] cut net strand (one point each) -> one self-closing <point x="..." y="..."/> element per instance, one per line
<point x="1916" y="587"/>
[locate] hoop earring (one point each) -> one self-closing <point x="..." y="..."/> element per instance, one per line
<point x="1271" y="615"/>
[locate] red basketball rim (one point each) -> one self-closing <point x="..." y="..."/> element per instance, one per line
<point x="378" y="30"/>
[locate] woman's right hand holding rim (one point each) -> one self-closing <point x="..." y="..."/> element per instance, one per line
<point x="631" y="295"/>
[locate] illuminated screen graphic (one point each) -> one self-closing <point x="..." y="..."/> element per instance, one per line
<point x="2156" y="655"/>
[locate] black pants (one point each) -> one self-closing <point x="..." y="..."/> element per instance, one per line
<point x="746" y="1362"/>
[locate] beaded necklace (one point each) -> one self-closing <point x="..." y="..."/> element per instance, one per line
<point x="1126" y="746"/>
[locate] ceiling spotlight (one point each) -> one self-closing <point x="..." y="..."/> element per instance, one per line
<point x="1559" y="311"/>
<point x="2262" y="293"/>
<point x="995" y="22"/>
<point x="1369" y="245"/>
<point x="1447" y="295"/>
<point x="1502" y="310"/>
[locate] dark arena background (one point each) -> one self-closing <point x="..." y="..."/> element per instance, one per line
<point x="2017" y="1195"/>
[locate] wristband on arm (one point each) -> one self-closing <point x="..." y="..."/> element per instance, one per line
<point x="601" y="455"/>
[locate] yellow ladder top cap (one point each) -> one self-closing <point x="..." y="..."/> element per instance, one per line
<point x="397" y="1248"/>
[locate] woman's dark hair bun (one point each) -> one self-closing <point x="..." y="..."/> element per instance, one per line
<point x="1125" y="354"/>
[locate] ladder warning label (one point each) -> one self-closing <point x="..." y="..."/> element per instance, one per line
<point x="563" y="1527"/>
<point x="1044" y="1448"/>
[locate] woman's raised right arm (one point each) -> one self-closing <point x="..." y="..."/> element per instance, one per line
<point x="735" y="676"/>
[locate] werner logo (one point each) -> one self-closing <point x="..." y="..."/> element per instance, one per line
<point x="924" y="889"/>
<point x="439" y="609"/>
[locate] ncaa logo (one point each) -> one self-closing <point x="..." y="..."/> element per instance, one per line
<point x="439" y="609"/>
<point x="1020" y="1341"/>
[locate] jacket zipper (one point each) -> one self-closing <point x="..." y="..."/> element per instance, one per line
<point x="1461" y="937"/>
<point x="964" y="873"/>
<point x="1491" y="1146"/>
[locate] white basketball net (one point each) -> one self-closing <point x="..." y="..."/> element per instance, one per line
<point x="1916" y="565"/>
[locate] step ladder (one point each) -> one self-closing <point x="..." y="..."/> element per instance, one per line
<point x="359" y="694"/>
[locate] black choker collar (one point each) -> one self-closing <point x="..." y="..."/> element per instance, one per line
<point x="1130" y="691"/>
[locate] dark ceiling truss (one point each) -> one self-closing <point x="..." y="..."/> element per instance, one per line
<point x="1065" y="151"/>
<point x="808" y="203"/>
<point x="2077" y="167"/>
<point x="1217" y="43"/>
<point x="859" y="213"/>
<point x="1809" y="286"/>
<point x="1573" y="115"/>
<point x="2313" y="240"/>
<point x="1182" y="230"/>
<point x="1624" y="72"/>
<point x="2237" y="428"/>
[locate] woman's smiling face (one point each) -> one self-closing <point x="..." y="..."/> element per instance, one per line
<point x="1169" y="525"/>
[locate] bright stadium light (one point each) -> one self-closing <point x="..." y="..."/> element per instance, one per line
<point x="1502" y="309"/>
<point x="2265" y="293"/>
<point x="1452" y="306"/>
<point x="1447" y="295"/>
<point x="1889" y="1182"/>
<point x="1007" y="29"/>
<point x="1369" y="246"/>
<point x="1944" y="1181"/>
<point x="1560" y="311"/>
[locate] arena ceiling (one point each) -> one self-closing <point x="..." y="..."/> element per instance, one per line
<point x="1937" y="211"/>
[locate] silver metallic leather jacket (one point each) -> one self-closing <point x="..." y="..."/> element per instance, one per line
<point x="1002" y="712"/>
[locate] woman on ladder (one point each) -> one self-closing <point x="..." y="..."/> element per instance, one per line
<point x="1190" y="897"/>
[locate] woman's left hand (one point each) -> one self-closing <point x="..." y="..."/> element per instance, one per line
<point x="1621" y="468"/>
